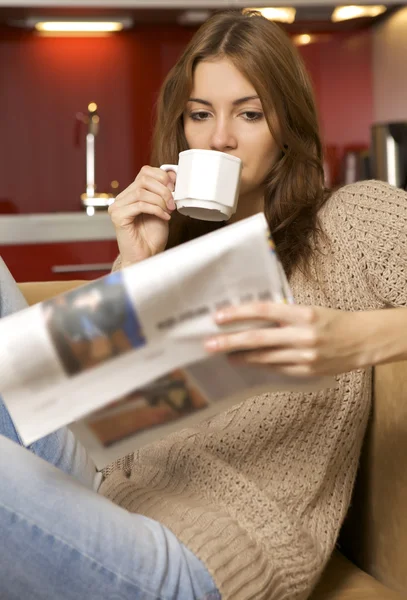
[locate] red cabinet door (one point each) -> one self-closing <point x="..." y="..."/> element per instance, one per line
<point x="60" y="260"/>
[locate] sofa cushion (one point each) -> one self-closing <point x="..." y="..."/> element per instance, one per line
<point x="42" y="290"/>
<point x="341" y="580"/>
<point x="375" y="532"/>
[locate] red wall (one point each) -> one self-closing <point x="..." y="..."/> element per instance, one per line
<point x="345" y="91"/>
<point x="46" y="81"/>
<point x="154" y="50"/>
<point x="341" y="71"/>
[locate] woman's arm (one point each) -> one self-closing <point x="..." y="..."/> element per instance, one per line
<point x="310" y="341"/>
<point x="316" y="340"/>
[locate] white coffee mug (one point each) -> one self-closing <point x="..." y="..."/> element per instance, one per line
<point x="207" y="185"/>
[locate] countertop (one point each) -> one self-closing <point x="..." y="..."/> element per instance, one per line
<point x="56" y="227"/>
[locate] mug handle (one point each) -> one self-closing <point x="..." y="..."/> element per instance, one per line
<point x="170" y="168"/>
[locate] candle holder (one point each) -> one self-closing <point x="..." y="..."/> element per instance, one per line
<point x="92" y="200"/>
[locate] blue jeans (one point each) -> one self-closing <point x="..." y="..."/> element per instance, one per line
<point x="60" y="540"/>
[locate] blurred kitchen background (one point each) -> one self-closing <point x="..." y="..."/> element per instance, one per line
<point x="77" y="108"/>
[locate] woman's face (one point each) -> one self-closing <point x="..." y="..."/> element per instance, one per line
<point x="224" y="113"/>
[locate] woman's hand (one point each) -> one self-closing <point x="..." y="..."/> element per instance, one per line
<point x="306" y="341"/>
<point x="141" y="213"/>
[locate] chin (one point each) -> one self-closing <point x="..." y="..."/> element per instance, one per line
<point x="246" y="189"/>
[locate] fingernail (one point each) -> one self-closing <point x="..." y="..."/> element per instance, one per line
<point x="171" y="204"/>
<point x="212" y="344"/>
<point x="220" y="316"/>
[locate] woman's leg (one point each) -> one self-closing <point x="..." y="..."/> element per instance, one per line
<point x="61" y="540"/>
<point x="11" y="299"/>
<point x="60" y="448"/>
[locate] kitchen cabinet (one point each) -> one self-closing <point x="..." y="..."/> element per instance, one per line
<point x="60" y="246"/>
<point x="60" y="260"/>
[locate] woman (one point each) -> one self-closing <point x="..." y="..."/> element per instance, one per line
<point x="248" y="504"/>
<point x="259" y="494"/>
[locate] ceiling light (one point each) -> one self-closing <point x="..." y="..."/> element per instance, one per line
<point x="282" y="14"/>
<point x="48" y="25"/>
<point x="344" y="13"/>
<point x="83" y="26"/>
<point x="303" y="39"/>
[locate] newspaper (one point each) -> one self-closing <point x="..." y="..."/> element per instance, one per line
<point x="121" y="359"/>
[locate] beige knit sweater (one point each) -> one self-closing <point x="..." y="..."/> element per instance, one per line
<point x="259" y="493"/>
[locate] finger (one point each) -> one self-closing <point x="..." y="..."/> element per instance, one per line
<point x="272" y="311"/>
<point x="165" y="177"/>
<point x="271" y="337"/>
<point x="276" y="357"/>
<point x="288" y="370"/>
<point x="136" y="191"/>
<point x="126" y="215"/>
<point x="296" y="370"/>
<point x="140" y="196"/>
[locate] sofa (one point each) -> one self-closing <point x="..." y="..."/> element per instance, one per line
<point x="370" y="562"/>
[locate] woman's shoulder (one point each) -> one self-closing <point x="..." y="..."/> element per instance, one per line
<point x="367" y="200"/>
<point x="368" y="221"/>
<point x="370" y="192"/>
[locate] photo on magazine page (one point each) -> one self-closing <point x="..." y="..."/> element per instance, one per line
<point x="167" y="399"/>
<point x="93" y="323"/>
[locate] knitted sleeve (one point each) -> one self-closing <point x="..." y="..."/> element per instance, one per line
<point x="376" y="224"/>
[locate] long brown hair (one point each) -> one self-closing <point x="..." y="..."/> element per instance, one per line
<point x="264" y="54"/>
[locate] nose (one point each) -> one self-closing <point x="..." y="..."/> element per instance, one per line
<point x="223" y="137"/>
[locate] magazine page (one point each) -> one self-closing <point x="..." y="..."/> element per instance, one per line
<point x="107" y="340"/>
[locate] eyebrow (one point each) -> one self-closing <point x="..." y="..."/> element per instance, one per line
<point x="235" y="102"/>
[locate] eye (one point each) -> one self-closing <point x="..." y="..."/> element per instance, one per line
<point x="251" y="115"/>
<point x="201" y="115"/>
